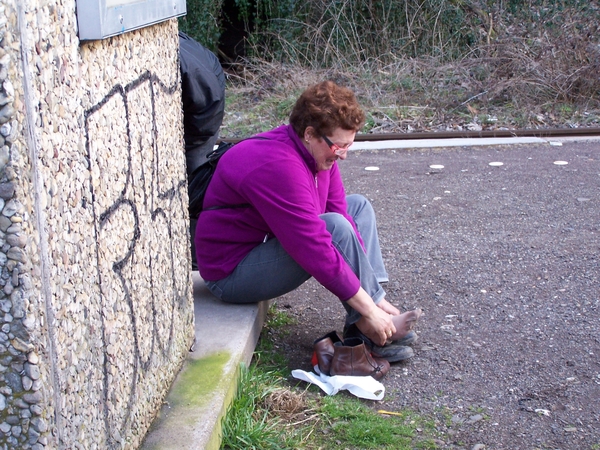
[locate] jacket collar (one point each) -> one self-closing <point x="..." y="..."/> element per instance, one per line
<point x="302" y="150"/>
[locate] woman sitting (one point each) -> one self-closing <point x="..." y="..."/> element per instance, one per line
<point x="276" y="213"/>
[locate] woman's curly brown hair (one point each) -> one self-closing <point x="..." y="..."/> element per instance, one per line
<point x="326" y="106"/>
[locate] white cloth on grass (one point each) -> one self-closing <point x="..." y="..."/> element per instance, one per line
<point x="365" y="387"/>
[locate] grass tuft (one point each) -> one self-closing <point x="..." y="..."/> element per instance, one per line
<point x="247" y="424"/>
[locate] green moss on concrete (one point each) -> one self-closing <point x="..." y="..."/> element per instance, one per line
<point x="199" y="378"/>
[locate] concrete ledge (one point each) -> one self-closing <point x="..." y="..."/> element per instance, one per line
<point x="226" y="336"/>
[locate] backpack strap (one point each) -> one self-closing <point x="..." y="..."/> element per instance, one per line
<point x="239" y="205"/>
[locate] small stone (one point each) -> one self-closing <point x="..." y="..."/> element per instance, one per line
<point x="33" y="371"/>
<point x="5" y="129"/>
<point x="29" y="322"/>
<point x="13" y="420"/>
<point x="39" y="424"/>
<point x="5" y="427"/>
<point x="5" y="305"/>
<point x="37" y="385"/>
<point x="5" y="223"/>
<point x="16" y="240"/>
<point x="33" y="358"/>
<point x="8" y="88"/>
<point x="33" y="435"/>
<point x="478" y="447"/>
<point x="18" y="308"/>
<point x="11" y="208"/>
<point x="34" y="397"/>
<point x="16" y="431"/>
<point x="20" y="403"/>
<point x="475" y="418"/>
<point x="6" y="113"/>
<point x="36" y="409"/>
<point x="14" y="381"/>
<point x="21" y="346"/>
<point x="16" y="254"/>
<point x="457" y="419"/>
<point x="17" y="328"/>
<point x="2" y="402"/>
<point x="27" y="382"/>
<point x="25" y="281"/>
<point x="15" y="227"/>
<point x="15" y="353"/>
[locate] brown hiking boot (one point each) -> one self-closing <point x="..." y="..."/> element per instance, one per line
<point x="351" y="357"/>
<point x="323" y="351"/>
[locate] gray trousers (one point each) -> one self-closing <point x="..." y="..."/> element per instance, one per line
<point x="268" y="271"/>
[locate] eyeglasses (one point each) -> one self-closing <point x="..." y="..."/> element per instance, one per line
<point x="336" y="149"/>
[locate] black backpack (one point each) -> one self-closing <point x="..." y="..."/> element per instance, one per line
<point x="200" y="179"/>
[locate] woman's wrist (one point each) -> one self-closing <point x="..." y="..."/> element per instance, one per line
<point x="363" y="304"/>
<point x="370" y="312"/>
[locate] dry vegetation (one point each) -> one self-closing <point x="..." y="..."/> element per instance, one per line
<point x="519" y="75"/>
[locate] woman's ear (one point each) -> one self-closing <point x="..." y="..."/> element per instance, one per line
<point x="309" y="133"/>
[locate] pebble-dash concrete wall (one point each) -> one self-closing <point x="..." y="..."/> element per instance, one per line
<point x="96" y="312"/>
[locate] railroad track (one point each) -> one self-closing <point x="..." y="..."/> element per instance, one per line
<point x="541" y="133"/>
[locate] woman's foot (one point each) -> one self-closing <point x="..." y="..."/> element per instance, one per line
<point x="405" y="322"/>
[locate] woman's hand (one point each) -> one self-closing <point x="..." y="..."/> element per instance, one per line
<point x="375" y="322"/>
<point x="377" y="326"/>
<point x="388" y="307"/>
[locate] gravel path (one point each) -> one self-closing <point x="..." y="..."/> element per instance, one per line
<point x="504" y="261"/>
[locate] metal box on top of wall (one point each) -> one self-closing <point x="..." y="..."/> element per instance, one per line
<point x="99" y="19"/>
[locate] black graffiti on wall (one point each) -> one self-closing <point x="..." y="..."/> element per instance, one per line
<point x="144" y="201"/>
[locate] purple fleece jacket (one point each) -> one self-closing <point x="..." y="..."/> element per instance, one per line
<point x="278" y="178"/>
